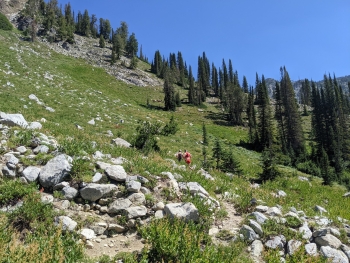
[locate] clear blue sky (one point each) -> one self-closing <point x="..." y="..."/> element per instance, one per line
<point x="309" y="37"/>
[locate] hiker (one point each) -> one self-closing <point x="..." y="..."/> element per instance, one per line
<point x="179" y="155"/>
<point x="187" y="157"/>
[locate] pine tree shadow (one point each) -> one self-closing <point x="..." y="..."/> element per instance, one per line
<point x="152" y="107"/>
<point x="218" y="118"/>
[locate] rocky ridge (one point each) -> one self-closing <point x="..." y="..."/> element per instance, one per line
<point x="89" y="50"/>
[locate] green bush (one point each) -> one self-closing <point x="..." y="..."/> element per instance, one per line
<point x="309" y="167"/>
<point x="177" y="241"/>
<point x="5" y="23"/>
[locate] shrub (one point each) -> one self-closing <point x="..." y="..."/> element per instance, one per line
<point x="145" y="139"/>
<point x="177" y="241"/>
<point x="5" y="23"/>
<point x="170" y="128"/>
<point x="309" y="167"/>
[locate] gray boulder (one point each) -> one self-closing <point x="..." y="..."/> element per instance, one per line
<point x="135" y="211"/>
<point x="93" y="192"/>
<point x="116" y="172"/>
<point x="328" y="240"/>
<point x="185" y="211"/>
<point x="41" y="149"/>
<point x="31" y="173"/>
<point x="248" y="233"/>
<point x="260" y="218"/>
<point x="133" y="186"/>
<point x="311" y="249"/>
<point x="34" y="125"/>
<point x="293" y="245"/>
<point x="334" y="255"/>
<point x="69" y="193"/>
<point x="119" y="205"/>
<point x="256" y="227"/>
<point x="66" y="222"/>
<point x="276" y="242"/>
<point x="257" y="249"/>
<point x="137" y="198"/>
<point x="55" y="170"/>
<point x="121" y="142"/>
<point x="13" y="120"/>
<point x="305" y="231"/>
<point x="8" y="173"/>
<point x="193" y="188"/>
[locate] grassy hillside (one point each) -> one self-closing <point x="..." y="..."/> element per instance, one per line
<point x="79" y="92"/>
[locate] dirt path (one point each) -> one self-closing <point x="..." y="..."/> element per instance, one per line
<point x="224" y="229"/>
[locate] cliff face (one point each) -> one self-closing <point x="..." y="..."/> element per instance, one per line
<point x="11" y="8"/>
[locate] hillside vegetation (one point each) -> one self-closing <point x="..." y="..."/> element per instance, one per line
<point x="71" y="93"/>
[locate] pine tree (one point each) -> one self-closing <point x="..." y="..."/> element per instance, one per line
<point x="293" y="130"/>
<point x="217" y="153"/>
<point x="132" y="46"/>
<point x="69" y="22"/>
<point x="102" y="42"/>
<point x="326" y="172"/>
<point x="215" y="80"/>
<point x="123" y="32"/>
<point x="251" y="115"/>
<point x="93" y="26"/>
<point x="230" y="164"/>
<point x="205" y="135"/>
<point x="191" y="98"/>
<point x="169" y="94"/>
<point x="85" y="24"/>
<point x="133" y="62"/>
<point x="245" y="85"/>
<point x="265" y="124"/>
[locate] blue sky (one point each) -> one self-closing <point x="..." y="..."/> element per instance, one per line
<point x="309" y="37"/>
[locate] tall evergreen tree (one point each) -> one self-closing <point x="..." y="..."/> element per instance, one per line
<point x="191" y="95"/>
<point x="293" y="129"/>
<point x="245" y="85"/>
<point x="217" y="153"/>
<point x="123" y="31"/>
<point x="132" y="46"/>
<point x="251" y="115"/>
<point x="169" y="94"/>
<point x="265" y="124"/>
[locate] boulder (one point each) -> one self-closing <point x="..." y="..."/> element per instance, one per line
<point x="305" y="231"/>
<point x="311" y="249"/>
<point x="116" y="172"/>
<point x="135" y="211"/>
<point x="119" y="205"/>
<point x="256" y="227"/>
<point x="185" y="211"/>
<point x="293" y="245"/>
<point x="93" y="192"/>
<point x="34" y="125"/>
<point x="257" y="248"/>
<point x="137" y="198"/>
<point x="31" y="173"/>
<point x="334" y="255"/>
<point x="276" y="242"/>
<point x="66" y="222"/>
<point x="55" y="170"/>
<point x="121" y="142"/>
<point x="328" y="240"/>
<point x="260" y="218"/>
<point x="69" y="193"/>
<point x="193" y="188"/>
<point x="248" y="233"/>
<point x="133" y="186"/>
<point x="13" y="120"/>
